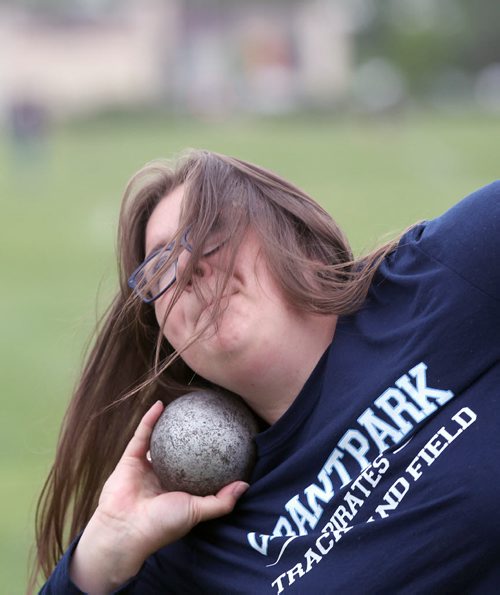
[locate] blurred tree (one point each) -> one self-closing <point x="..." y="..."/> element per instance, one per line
<point x="426" y="39"/>
<point x="482" y="46"/>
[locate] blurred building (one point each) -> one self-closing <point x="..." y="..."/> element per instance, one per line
<point x="199" y="57"/>
<point x="76" y="63"/>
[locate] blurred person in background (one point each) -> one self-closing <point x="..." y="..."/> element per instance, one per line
<point x="29" y="124"/>
<point x="375" y="380"/>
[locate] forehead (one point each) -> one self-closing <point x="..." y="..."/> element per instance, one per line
<point x="164" y="220"/>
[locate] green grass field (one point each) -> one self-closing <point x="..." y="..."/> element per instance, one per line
<point x="57" y="242"/>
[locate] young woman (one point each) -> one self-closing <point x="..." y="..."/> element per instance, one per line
<point x="376" y="382"/>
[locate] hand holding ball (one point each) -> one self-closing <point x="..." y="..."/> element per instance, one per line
<point x="203" y="441"/>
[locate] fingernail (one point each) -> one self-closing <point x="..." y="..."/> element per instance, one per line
<point x="240" y="488"/>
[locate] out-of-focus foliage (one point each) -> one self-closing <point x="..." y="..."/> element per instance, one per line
<point x="431" y="43"/>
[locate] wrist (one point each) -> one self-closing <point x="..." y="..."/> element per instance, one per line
<point x="105" y="557"/>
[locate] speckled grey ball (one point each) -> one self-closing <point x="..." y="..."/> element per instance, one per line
<point x="203" y="441"/>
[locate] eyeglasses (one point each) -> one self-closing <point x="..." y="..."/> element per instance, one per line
<point x="152" y="278"/>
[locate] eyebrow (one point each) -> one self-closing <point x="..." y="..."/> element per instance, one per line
<point x="166" y="243"/>
<point x="157" y="247"/>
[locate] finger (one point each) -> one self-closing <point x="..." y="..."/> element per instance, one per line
<point x="212" y="507"/>
<point x="139" y="444"/>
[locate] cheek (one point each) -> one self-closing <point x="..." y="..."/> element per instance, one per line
<point x="159" y="312"/>
<point x="236" y="328"/>
<point x="171" y="326"/>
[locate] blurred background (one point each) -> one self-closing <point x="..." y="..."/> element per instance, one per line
<point x="386" y="111"/>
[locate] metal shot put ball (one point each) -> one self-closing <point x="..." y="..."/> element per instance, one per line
<point x="203" y="441"/>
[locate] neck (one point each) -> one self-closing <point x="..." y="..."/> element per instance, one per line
<point x="279" y="375"/>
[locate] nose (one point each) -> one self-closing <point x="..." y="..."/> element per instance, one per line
<point x="203" y="268"/>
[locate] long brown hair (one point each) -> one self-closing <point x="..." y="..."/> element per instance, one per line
<point x="131" y="365"/>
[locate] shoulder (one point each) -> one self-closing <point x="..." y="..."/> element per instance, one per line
<point x="466" y="239"/>
<point x="479" y="209"/>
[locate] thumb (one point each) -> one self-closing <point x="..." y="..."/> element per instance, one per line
<point x="212" y="507"/>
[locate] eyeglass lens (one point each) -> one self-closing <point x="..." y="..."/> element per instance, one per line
<point x="152" y="280"/>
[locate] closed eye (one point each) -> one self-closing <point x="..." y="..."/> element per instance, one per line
<point x="154" y="263"/>
<point x="214" y="243"/>
<point x="159" y="262"/>
<point x="215" y="249"/>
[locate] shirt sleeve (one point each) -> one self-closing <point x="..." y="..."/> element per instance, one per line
<point x="466" y="239"/>
<point x="59" y="582"/>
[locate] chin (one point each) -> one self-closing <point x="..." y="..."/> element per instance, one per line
<point x="232" y="336"/>
<point x="216" y="351"/>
